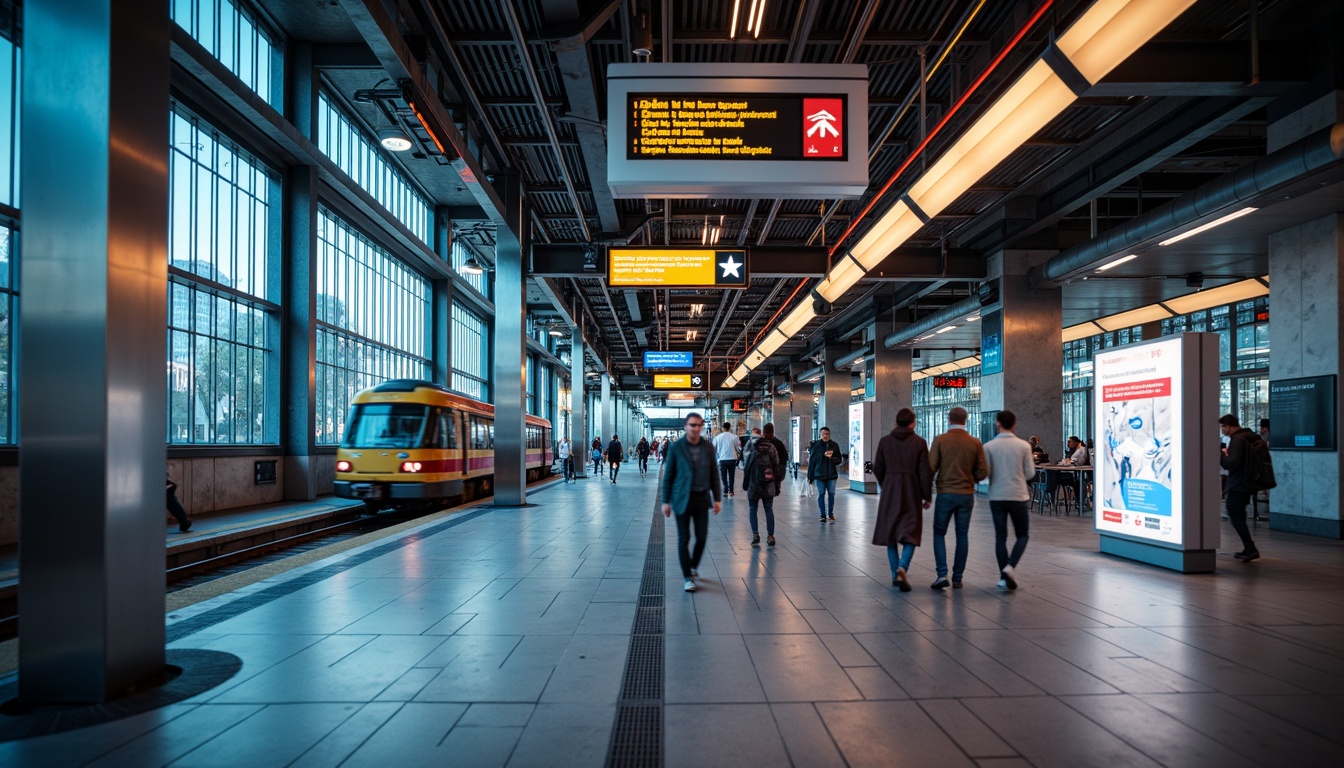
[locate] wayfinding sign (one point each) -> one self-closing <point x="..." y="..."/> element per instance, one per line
<point x="705" y="130"/>
<point x="676" y="268"/>
<point x="654" y="359"/>
<point x="679" y="381"/>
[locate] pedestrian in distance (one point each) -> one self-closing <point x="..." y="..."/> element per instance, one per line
<point x="823" y="468"/>
<point x="595" y="454"/>
<point x="727" y="448"/>
<point x="761" y="476"/>
<point x="958" y="463"/>
<point x="566" y="453"/>
<point x="642" y="451"/>
<point x="901" y="466"/>
<point x="690" y="485"/>
<point x="768" y="433"/>
<point x="615" y="455"/>
<point x="1242" y="447"/>
<point x="175" y="507"/>
<point x="1011" y="470"/>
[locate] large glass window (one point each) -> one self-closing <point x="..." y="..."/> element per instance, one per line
<point x="9" y="309"/>
<point x="233" y="35"/>
<point x="372" y="321"/>
<point x="469" y="353"/>
<point x="220" y="331"/>
<point x="9" y="197"/>
<point x="359" y="156"/>
<point x="931" y="404"/>
<point x="10" y="60"/>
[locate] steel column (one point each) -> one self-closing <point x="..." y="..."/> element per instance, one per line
<point x="92" y="334"/>
<point x="608" y="411"/>
<point x="578" y="417"/>
<point x="510" y="355"/>
<point x="300" y="334"/>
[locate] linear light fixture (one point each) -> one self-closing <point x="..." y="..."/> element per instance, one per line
<point x="938" y="370"/>
<point x="1223" y="294"/>
<point x="946" y="329"/>
<point x="1210" y="225"/>
<point x="796" y="320"/>
<point x="1107" y="33"/>
<point x="1145" y="314"/>
<point x="1118" y="262"/>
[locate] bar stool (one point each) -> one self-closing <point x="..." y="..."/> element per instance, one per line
<point x="1038" y="494"/>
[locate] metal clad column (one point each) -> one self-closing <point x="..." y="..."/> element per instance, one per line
<point x="510" y="358"/>
<point x="92" y="339"/>
<point x="441" y="306"/>
<point x="298" y="310"/>
<point x="892" y="386"/>
<point x="608" y="411"/>
<point x="578" y="417"/>
<point x="835" y="394"/>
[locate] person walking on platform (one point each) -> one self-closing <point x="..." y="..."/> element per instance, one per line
<point x="689" y="485"/>
<point x="1240" y="443"/>
<point x="642" y="451"/>
<point x="823" y="461"/>
<point x="595" y="455"/>
<point x="726" y="447"/>
<point x="1011" y="470"/>
<point x="958" y="463"/>
<point x="175" y="506"/>
<point x="615" y="455"/>
<point x="768" y="433"/>
<point x="901" y="466"/>
<point x="761" y="478"/>
<point x="566" y="453"/>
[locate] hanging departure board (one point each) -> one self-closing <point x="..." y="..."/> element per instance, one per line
<point x="677" y="268"/>
<point x="796" y="131"/>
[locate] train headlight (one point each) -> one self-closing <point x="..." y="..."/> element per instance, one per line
<point x="343" y="466"/>
<point x="410" y="466"/>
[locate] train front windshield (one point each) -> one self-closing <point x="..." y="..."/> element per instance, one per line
<point x="385" y="425"/>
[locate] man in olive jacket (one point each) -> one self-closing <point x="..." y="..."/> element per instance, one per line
<point x="690" y="476"/>
<point x="822" y="459"/>
<point x="958" y="463"/>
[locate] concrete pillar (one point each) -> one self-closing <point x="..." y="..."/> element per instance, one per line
<point x="835" y="389"/>
<point x="578" y="417"/>
<point x="1030" y="384"/>
<point x="781" y="407"/>
<point x="299" y="416"/>
<point x="509" y="386"/>
<point x="91" y="348"/>
<point x="608" y="410"/>
<point x="890" y="371"/>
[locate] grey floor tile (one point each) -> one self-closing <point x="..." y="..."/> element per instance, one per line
<point x="342" y="742"/>
<point x="485" y="747"/>
<point x="799" y="668"/>
<point x="275" y="735"/>
<point x="973" y="736"/>
<point x="1156" y="734"/>
<point x="359" y="676"/>
<point x="805" y="736"/>
<point x="1318" y="714"/>
<point x="847" y="651"/>
<point x="875" y="684"/>
<point x="80" y="746"/>
<point x="174" y="739"/>
<point x="498" y="715"/>
<point x="1249" y="731"/>
<point x="414" y="736"/>
<point x="722" y="735"/>
<point x="1045" y="671"/>
<point x="1222" y="674"/>
<point x="922" y="670"/>
<point x="590" y="671"/>
<point x="1048" y="734"/>
<point x="886" y="733"/>
<point x="709" y="668"/>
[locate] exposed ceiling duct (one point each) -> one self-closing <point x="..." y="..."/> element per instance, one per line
<point x="930" y="323"/>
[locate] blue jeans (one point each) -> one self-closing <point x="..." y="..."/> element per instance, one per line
<point x="945" y="508"/>
<point x="903" y="561"/>
<point x="825" y="489"/>
<point x="769" y="514"/>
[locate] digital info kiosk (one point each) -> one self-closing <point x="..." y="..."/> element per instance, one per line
<point x="1157" y="448"/>
<point x="865" y="428"/>
<point x="800" y="439"/>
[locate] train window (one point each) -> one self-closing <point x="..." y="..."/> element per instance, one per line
<point x="478" y="438"/>
<point x="444" y="434"/>
<point x="490" y="425"/>
<point x="385" y="425"/>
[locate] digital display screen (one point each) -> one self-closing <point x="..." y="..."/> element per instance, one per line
<point x="949" y="382"/>
<point x="676" y="268"/>
<point x="1138" y="461"/>
<point x="736" y="126"/>
<point x="1302" y="414"/>
<point x="858" y="453"/>
<point x="679" y="381"/>
<point x="669" y="359"/>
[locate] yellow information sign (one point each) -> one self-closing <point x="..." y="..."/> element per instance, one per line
<point x="676" y="268"/>
<point x="678" y="381"/>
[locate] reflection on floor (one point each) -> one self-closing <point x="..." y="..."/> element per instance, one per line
<point x="502" y="641"/>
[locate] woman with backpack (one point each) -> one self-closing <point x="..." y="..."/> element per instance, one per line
<point x="595" y="454"/>
<point x="764" y="469"/>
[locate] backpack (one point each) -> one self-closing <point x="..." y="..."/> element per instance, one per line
<point x="1259" y="466"/>
<point x="597" y="454"/>
<point x="765" y="468"/>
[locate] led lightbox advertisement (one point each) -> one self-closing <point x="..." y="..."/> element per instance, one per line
<point x="865" y="430"/>
<point x="1155" y="481"/>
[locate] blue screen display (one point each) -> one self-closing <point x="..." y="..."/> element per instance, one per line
<point x="669" y="359"/>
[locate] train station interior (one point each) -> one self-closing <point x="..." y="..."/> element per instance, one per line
<point x="448" y="321"/>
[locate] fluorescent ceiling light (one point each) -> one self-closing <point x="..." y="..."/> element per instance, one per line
<point x="795" y="321"/>
<point x="1148" y="314"/>
<point x="945" y="330"/>
<point x="973" y="319"/>
<point x="772" y="341"/>
<point x="841" y="278"/>
<point x="1118" y="262"/>
<point x="1216" y="297"/>
<point x="1210" y="225"/>
<point x="1081" y="331"/>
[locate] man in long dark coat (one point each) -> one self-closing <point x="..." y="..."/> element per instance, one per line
<point x="902" y="469"/>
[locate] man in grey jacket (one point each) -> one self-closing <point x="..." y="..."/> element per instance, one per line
<point x="690" y="476"/>
<point x="1011" y="470"/>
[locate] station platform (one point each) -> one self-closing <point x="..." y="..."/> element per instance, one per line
<point x="559" y="635"/>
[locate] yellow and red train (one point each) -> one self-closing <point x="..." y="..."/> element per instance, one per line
<point x="408" y="442"/>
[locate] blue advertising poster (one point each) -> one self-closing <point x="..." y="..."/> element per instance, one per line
<point x="669" y="359"/>
<point x="991" y="343"/>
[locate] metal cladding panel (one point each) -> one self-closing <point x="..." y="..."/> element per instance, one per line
<point x="815" y="175"/>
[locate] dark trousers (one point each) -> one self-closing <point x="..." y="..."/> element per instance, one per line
<point x="1019" y="511"/>
<point x="568" y="469"/>
<point x="728" y="475"/>
<point x="697" y="511"/>
<point x="1236" y="514"/>
<point x="644" y="463"/>
<point x="615" y="469"/>
<point x="949" y="507"/>
<point x="180" y="514"/>
<point x="597" y="466"/>
<point x="769" y="503"/>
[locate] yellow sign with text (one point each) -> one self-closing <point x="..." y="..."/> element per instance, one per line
<point x="678" y="381"/>
<point x="676" y="268"/>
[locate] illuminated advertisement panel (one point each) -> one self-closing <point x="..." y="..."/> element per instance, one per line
<point x="858" y="453"/>
<point x="1139" y="458"/>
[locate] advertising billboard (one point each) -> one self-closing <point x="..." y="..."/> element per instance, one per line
<point x="678" y="381"/>
<point x="654" y="359"/>
<point x="1139" y="458"/>
<point x="858" y="452"/>
<point x="1302" y="414"/>
<point x="677" y="268"/>
<point x="991" y="343"/>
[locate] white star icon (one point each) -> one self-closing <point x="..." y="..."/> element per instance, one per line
<point x="730" y="267"/>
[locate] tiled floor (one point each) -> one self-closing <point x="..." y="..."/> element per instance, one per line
<point x="502" y="641"/>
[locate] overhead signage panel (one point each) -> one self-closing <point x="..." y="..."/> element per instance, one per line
<point x="654" y="360"/>
<point x="704" y="130"/>
<point x="679" y="381"/>
<point x="676" y="268"/>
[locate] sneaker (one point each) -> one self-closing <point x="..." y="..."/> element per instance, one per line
<point x="1002" y="585"/>
<point x="1248" y="556"/>
<point x="821" y="519"/>
<point x="770" y="540"/>
<point x="689" y="585"/>
<point x="755" y="539"/>
<point x="941" y="583"/>
<point x="901" y="581"/>
<point x="831" y="519"/>
<point x="187" y="527"/>
<point x="956" y="585"/>
<point x="1008" y="577"/>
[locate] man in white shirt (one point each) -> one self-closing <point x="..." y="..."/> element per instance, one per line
<point x="565" y="451"/>
<point x="1011" y="470"/>
<point x="726" y="446"/>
